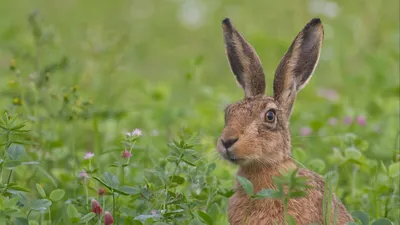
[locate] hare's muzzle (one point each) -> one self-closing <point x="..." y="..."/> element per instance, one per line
<point x="226" y="148"/>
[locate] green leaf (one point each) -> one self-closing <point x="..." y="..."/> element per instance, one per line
<point x="111" y="180"/>
<point x="143" y="218"/>
<point x="362" y="216"/>
<point x="11" y="203"/>
<point x="129" y="190"/>
<point x="352" y="153"/>
<point x="15" y="152"/>
<point x="195" y="222"/>
<point x="172" y="159"/>
<point x="205" y="217"/>
<point x="188" y="162"/>
<point x="86" y="218"/>
<point x="174" y="213"/>
<point x="12" y="164"/>
<point x="297" y="194"/>
<point x="227" y="193"/>
<point x="299" y="154"/>
<point x="317" y="165"/>
<point x="291" y="220"/>
<point x="128" y="211"/>
<point x="214" y="211"/>
<point x="23" y="199"/>
<point x="268" y="193"/>
<point x="57" y="195"/>
<point x="117" y="190"/>
<point x="136" y="222"/>
<point x="382" y="221"/>
<point x="177" y="179"/>
<point x="73" y="214"/>
<point x="40" y="204"/>
<point x="21" y="221"/>
<point x="394" y="170"/>
<point x="160" y="223"/>
<point x="247" y="185"/>
<point x="18" y="188"/>
<point x="211" y="167"/>
<point x="40" y="190"/>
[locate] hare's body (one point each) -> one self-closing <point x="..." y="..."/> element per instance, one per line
<point x="256" y="135"/>
<point x="308" y="210"/>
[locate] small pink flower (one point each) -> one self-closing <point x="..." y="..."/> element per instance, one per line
<point x="83" y="175"/>
<point x="329" y="94"/>
<point x="347" y="120"/>
<point x="108" y="219"/>
<point x="88" y="155"/>
<point x="361" y="120"/>
<point x="126" y="154"/>
<point x="305" y="131"/>
<point x="153" y="212"/>
<point x="332" y="121"/>
<point x="96" y="208"/>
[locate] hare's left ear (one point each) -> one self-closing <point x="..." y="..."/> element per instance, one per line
<point x="298" y="64"/>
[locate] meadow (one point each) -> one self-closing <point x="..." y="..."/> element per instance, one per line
<point x="111" y="110"/>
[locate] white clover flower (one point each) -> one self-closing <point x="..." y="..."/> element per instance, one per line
<point x="135" y="133"/>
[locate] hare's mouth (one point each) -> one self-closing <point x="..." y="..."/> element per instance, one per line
<point x="235" y="160"/>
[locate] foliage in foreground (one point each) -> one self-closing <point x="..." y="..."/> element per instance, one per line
<point x="53" y="173"/>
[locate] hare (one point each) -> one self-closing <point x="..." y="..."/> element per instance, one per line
<point x="256" y="134"/>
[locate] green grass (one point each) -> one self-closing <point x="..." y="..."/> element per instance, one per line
<point x="79" y="74"/>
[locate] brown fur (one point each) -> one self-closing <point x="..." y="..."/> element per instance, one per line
<point x="262" y="147"/>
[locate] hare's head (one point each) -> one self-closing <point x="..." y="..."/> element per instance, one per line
<point x="257" y="128"/>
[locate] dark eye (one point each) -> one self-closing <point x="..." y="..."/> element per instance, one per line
<point x="269" y="116"/>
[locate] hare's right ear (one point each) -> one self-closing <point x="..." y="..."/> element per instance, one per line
<point x="298" y="64"/>
<point x="243" y="60"/>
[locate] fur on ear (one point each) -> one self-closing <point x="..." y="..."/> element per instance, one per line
<point x="243" y="60"/>
<point x="298" y="64"/>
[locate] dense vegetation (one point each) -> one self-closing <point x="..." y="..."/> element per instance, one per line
<point x="110" y="110"/>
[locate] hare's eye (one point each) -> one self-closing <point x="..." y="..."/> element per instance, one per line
<point x="269" y="116"/>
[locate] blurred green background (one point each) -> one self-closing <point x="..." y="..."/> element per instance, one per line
<point x="122" y="52"/>
<point x="161" y="66"/>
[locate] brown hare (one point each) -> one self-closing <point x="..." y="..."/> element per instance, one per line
<point x="256" y="134"/>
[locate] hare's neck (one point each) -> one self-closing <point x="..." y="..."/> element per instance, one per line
<point x="261" y="176"/>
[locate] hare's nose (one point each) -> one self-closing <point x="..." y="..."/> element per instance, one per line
<point x="227" y="143"/>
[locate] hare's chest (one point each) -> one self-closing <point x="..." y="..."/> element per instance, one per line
<point x="243" y="210"/>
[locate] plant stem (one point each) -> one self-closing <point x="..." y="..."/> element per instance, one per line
<point x="29" y="213"/>
<point x="122" y="174"/>
<point x="285" y="206"/>
<point x="49" y="216"/>
<point x="8" y="181"/>
<point x="130" y="150"/>
<point x="104" y="207"/>
<point x="87" y="194"/>
<point x="113" y="196"/>
<point x="6" y="146"/>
